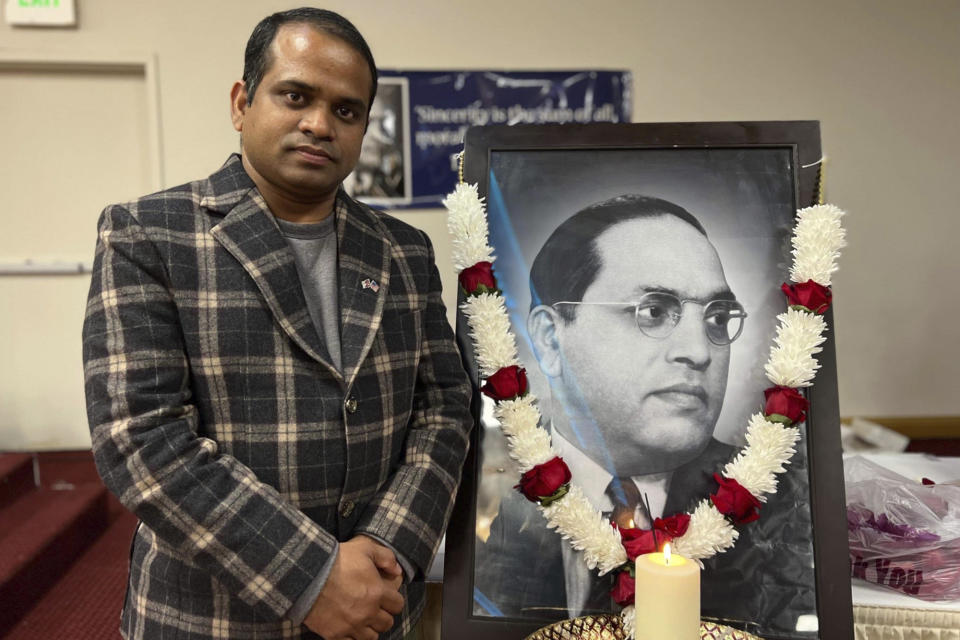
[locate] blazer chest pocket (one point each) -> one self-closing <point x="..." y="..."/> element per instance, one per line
<point x="399" y="334"/>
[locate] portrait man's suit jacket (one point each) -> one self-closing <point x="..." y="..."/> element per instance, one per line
<point x="217" y="417"/>
<point x="764" y="583"/>
<point x="520" y="567"/>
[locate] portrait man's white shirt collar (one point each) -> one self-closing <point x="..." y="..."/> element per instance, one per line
<point x="593" y="479"/>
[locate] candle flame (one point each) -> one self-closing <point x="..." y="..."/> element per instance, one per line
<point x="631" y="524"/>
<point x="666" y="553"/>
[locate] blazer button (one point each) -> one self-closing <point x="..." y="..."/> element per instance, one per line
<point x="346" y="508"/>
<point x="351" y="405"/>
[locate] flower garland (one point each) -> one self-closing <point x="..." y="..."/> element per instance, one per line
<point x="744" y="482"/>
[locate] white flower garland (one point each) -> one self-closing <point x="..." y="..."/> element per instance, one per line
<point x="817" y="240"/>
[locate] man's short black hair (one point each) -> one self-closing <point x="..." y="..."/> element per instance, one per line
<point x="569" y="261"/>
<point x="257" y="58"/>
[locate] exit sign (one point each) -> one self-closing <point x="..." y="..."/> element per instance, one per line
<point x="57" y="13"/>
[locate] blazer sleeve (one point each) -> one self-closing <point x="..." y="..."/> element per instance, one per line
<point x="205" y="505"/>
<point x="412" y="510"/>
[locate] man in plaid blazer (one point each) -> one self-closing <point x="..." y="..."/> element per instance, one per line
<point x="278" y="493"/>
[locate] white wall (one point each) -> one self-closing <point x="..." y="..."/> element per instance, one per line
<point x="882" y="77"/>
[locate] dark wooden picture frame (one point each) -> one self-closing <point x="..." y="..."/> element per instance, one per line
<point x="797" y="144"/>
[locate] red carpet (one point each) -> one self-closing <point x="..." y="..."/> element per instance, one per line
<point x="85" y="604"/>
<point x="64" y="548"/>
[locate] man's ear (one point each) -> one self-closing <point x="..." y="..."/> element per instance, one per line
<point x="542" y="327"/>
<point x="238" y="104"/>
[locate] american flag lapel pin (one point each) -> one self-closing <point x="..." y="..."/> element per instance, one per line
<point x="371" y="284"/>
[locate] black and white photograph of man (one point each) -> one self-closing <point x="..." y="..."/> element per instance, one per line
<point x="382" y="174"/>
<point x="643" y="288"/>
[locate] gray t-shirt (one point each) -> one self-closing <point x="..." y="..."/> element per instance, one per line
<point x="314" y="246"/>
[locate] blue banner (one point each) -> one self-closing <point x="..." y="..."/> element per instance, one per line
<point x="417" y="122"/>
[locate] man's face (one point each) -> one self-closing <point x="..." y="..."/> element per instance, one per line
<point x="655" y="401"/>
<point x="302" y="132"/>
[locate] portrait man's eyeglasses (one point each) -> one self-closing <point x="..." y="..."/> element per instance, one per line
<point x="658" y="314"/>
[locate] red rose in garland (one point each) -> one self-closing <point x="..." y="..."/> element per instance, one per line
<point x="785" y="405"/>
<point x="674" y="526"/>
<point x="637" y="542"/>
<point x="478" y="279"/>
<point x="731" y="499"/>
<point x="811" y="296"/>
<point x="624" y="589"/>
<point x="507" y="383"/>
<point x="546" y="482"/>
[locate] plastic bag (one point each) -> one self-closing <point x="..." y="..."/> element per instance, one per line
<point x="903" y="534"/>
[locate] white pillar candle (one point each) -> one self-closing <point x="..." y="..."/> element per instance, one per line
<point x="667" y="597"/>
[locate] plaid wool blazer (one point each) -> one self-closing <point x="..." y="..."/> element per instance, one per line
<point x="217" y="418"/>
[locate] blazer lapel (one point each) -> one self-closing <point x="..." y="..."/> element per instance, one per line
<point x="251" y="235"/>
<point x="364" y="263"/>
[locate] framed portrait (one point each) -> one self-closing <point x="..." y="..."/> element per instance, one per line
<point x="382" y="176"/>
<point x="596" y="229"/>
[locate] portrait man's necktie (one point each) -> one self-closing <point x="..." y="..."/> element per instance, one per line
<point x="626" y="497"/>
